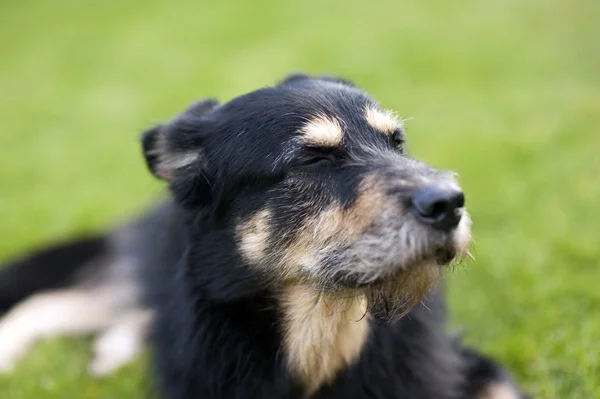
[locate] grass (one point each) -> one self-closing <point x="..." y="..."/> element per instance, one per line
<point x="507" y="93"/>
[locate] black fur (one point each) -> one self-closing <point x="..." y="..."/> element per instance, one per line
<point x="54" y="267"/>
<point x="218" y="332"/>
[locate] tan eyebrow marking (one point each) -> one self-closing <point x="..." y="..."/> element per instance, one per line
<point x="322" y="130"/>
<point x="383" y="121"/>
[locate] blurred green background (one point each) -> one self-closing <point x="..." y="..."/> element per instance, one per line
<point x="507" y="93"/>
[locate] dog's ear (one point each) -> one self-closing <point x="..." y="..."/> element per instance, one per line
<point x="297" y="77"/>
<point x="174" y="150"/>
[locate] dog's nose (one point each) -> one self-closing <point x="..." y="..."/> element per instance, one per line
<point x="439" y="206"/>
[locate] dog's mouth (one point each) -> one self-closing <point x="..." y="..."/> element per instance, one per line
<point x="394" y="277"/>
<point x="440" y="256"/>
<point x="394" y="265"/>
<point x="407" y="280"/>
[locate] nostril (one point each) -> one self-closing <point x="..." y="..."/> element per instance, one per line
<point x="429" y="207"/>
<point x="457" y="200"/>
<point x="438" y="206"/>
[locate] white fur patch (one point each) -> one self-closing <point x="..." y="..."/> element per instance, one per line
<point x="177" y="160"/>
<point x="462" y="234"/>
<point x="121" y="343"/>
<point x="499" y="390"/>
<point x="323" y="131"/>
<point x="71" y="312"/>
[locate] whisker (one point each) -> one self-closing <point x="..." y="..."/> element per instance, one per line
<point x="470" y="255"/>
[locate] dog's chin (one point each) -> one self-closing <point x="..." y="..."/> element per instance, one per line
<point x="391" y="276"/>
<point x="392" y="297"/>
<point x="392" y="294"/>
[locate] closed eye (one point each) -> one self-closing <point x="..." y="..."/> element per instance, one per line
<point x="398" y="140"/>
<point x="317" y="161"/>
<point x="316" y="158"/>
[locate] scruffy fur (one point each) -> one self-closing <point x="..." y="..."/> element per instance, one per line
<point x="306" y="273"/>
<point x="290" y="262"/>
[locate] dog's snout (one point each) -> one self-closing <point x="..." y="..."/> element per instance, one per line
<point x="439" y="206"/>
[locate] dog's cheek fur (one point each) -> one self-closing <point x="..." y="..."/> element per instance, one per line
<point x="214" y="268"/>
<point x="301" y="234"/>
<point x="254" y="235"/>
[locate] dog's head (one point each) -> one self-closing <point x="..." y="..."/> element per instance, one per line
<point x="308" y="182"/>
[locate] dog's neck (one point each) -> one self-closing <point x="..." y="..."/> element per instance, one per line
<point x="322" y="333"/>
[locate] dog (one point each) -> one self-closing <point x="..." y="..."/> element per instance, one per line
<point x="299" y="256"/>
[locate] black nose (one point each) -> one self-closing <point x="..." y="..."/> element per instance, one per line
<point x="439" y="206"/>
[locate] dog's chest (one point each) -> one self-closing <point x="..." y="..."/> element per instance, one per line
<point x="322" y="334"/>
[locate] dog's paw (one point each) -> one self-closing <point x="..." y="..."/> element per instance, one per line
<point x="13" y="347"/>
<point x="120" y="344"/>
<point x="8" y="359"/>
<point x="6" y="367"/>
<point x="112" y="351"/>
<point x="103" y="365"/>
<point x="501" y="390"/>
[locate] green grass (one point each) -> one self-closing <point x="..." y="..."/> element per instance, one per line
<point x="507" y="93"/>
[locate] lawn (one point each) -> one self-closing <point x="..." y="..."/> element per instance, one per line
<point x="507" y="93"/>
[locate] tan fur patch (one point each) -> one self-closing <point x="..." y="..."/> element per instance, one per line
<point x="322" y="334"/>
<point x="335" y="225"/>
<point x="322" y="131"/>
<point x="499" y="390"/>
<point x="383" y="121"/>
<point x="331" y="226"/>
<point x="253" y="236"/>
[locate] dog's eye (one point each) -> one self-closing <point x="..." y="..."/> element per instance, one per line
<point x="315" y="158"/>
<point x="398" y="138"/>
<point x="316" y="161"/>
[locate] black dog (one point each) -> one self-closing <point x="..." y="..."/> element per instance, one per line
<point x="299" y="259"/>
<point x="311" y="245"/>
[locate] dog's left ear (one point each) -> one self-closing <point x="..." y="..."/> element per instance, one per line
<point x="173" y="151"/>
